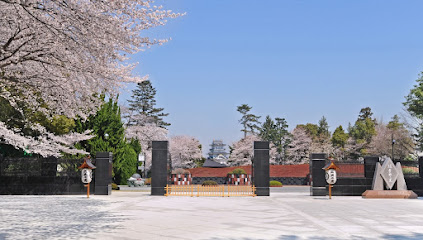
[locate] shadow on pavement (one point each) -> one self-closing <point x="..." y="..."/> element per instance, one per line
<point x="415" y="236"/>
<point x="54" y="217"/>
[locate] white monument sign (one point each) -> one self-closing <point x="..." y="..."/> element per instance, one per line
<point x="388" y="173"/>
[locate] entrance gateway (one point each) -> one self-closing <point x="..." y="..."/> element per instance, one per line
<point x="260" y="179"/>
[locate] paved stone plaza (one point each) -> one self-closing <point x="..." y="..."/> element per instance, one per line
<point x="289" y="213"/>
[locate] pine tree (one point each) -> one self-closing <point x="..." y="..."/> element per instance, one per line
<point x="249" y="121"/>
<point x="143" y="103"/>
<point x="365" y="113"/>
<point x="277" y="134"/>
<point x="267" y="130"/>
<point x="282" y="137"/>
<point x="323" y="128"/>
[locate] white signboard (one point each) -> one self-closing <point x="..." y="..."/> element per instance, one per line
<point x="86" y="175"/>
<point x="331" y="176"/>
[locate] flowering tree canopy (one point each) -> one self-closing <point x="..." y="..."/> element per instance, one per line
<point x="184" y="150"/>
<point x="55" y="56"/>
<point x="145" y="135"/>
<point x="382" y="142"/>
<point x="242" y="151"/>
<point x="47" y="144"/>
<point x="300" y="146"/>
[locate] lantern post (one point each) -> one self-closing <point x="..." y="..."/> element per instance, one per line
<point x="87" y="173"/>
<point x="330" y="175"/>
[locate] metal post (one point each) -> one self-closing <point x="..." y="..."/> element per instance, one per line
<point x="393" y="142"/>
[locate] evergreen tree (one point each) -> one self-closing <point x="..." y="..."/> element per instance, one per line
<point x="361" y="133"/>
<point x="311" y="129"/>
<point x="414" y="100"/>
<point x="249" y="121"/>
<point x="277" y="134"/>
<point x="365" y="113"/>
<point x="323" y="128"/>
<point x="143" y="103"/>
<point x="395" y="123"/>
<point x="282" y="137"/>
<point x="107" y="126"/>
<point x="414" y="105"/>
<point x="267" y="130"/>
<point x="365" y="127"/>
<point x="339" y="137"/>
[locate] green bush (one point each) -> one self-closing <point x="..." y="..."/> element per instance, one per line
<point x="115" y="186"/>
<point x="126" y="157"/>
<point x="275" y="184"/>
<point x="238" y="171"/>
<point x="209" y="183"/>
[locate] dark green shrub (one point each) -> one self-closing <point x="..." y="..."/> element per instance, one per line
<point x="238" y="171"/>
<point x="127" y="160"/>
<point x="275" y="183"/>
<point x="209" y="183"/>
<point x="115" y="186"/>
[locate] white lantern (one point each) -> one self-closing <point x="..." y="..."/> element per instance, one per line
<point x="331" y="176"/>
<point x="86" y="175"/>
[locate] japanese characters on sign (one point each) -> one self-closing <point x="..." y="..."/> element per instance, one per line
<point x="86" y="175"/>
<point x="331" y="176"/>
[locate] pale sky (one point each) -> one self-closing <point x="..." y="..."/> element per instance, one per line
<point x="298" y="60"/>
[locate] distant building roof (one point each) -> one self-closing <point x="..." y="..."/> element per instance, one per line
<point x="212" y="164"/>
<point x="217" y="149"/>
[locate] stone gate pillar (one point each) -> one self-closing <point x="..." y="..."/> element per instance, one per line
<point x="159" y="168"/>
<point x="370" y="166"/>
<point x="261" y="168"/>
<point x="317" y="174"/>
<point x="103" y="173"/>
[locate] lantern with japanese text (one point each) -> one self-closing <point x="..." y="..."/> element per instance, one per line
<point x="87" y="173"/>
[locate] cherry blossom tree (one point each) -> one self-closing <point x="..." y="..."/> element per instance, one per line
<point x="300" y="147"/>
<point x="184" y="150"/>
<point x="46" y="144"/>
<point x="145" y="135"/>
<point x="381" y="143"/>
<point x="242" y="151"/>
<point x="56" y="56"/>
<point x="355" y="149"/>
